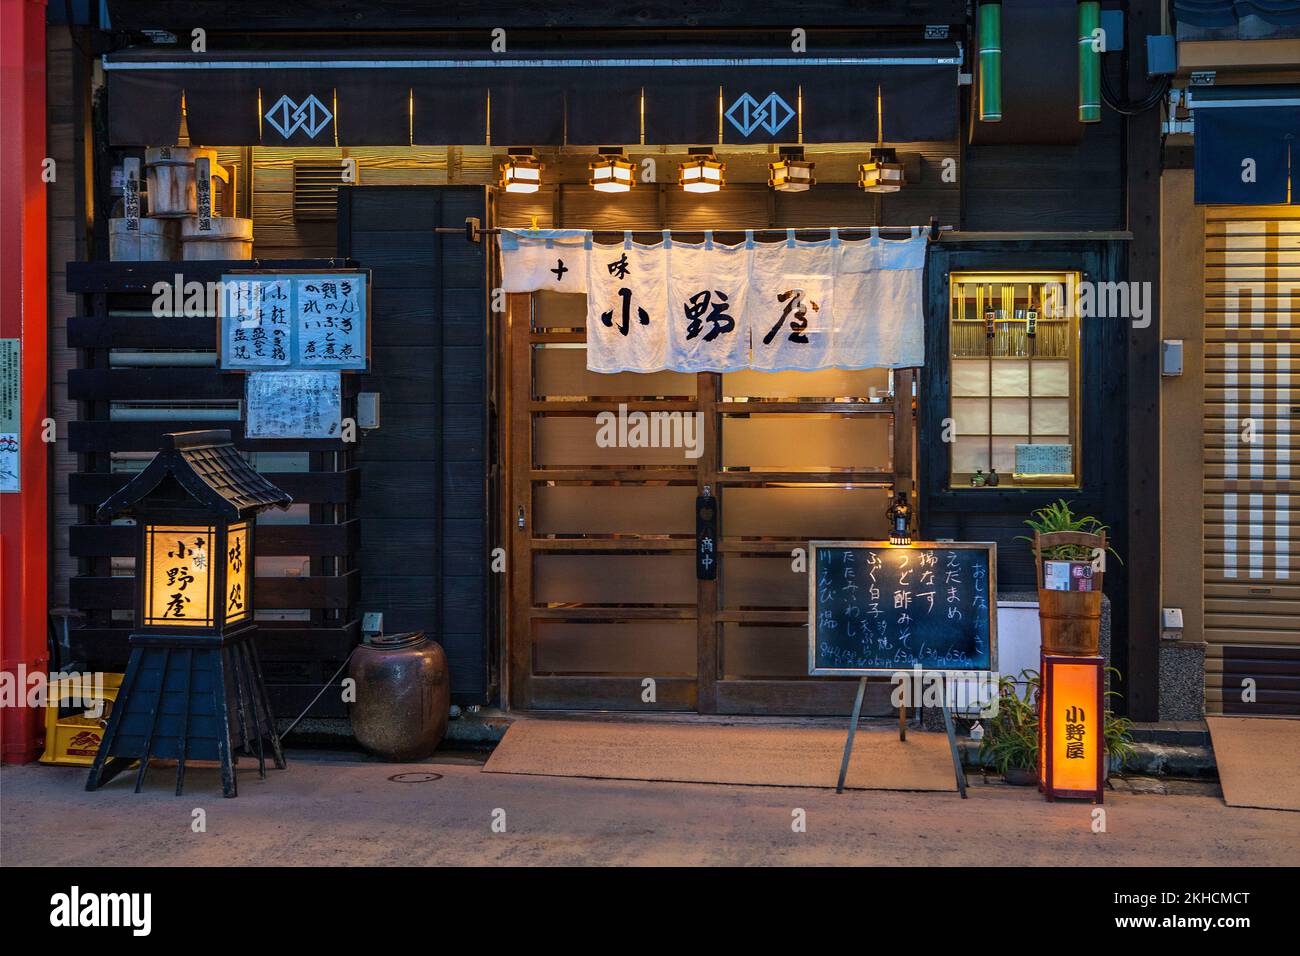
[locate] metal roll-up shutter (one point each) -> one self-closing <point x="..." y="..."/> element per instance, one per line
<point x="1252" y="459"/>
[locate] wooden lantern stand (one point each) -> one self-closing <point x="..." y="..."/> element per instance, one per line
<point x="186" y="698"/>
<point x="193" y="687"/>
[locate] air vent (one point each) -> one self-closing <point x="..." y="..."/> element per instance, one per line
<point x="316" y="189"/>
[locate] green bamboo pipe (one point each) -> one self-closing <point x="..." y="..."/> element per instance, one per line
<point x="1089" y="62"/>
<point x="990" y="38"/>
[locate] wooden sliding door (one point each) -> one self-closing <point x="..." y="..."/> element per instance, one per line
<point x="604" y="609"/>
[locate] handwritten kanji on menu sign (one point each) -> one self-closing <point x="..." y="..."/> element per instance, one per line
<point x="881" y="609"/>
<point x="330" y="326"/>
<point x="258" y="326"/>
<point x="294" y="321"/>
<point x="293" y="404"/>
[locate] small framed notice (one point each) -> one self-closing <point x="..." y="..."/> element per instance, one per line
<point x="1056" y="461"/>
<point x="11" y="395"/>
<point x="293" y="404"/>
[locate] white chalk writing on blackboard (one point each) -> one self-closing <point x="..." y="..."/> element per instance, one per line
<point x="884" y="609"/>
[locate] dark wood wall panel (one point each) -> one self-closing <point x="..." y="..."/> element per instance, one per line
<point x="1048" y="188"/>
<point x="300" y="655"/>
<point x="998" y="514"/>
<point x="423" y="505"/>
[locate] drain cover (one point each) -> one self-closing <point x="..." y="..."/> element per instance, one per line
<point x="415" y="777"/>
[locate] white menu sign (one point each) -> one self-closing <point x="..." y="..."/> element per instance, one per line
<point x="293" y="404"/>
<point x="293" y="320"/>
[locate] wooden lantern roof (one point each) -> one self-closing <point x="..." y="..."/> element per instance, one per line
<point x="208" y="468"/>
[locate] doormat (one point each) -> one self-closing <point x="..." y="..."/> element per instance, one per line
<point x="772" y="756"/>
<point x="1258" y="760"/>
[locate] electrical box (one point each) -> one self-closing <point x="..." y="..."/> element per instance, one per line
<point x="1171" y="618"/>
<point x="1171" y="357"/>
<point x="1162" y="56"/>
<point x="368" y="410"/>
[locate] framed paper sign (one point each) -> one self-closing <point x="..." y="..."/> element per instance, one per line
<point x="291" y="320"/>
<point x="293" y="404"/>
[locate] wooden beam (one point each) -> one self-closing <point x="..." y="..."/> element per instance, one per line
<point x="1137" y="652"/>
<point x="409" y="16"/>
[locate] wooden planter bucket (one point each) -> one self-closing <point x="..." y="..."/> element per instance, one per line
<point x="1070" y="621"/>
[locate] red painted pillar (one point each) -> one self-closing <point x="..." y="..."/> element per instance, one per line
<point x="24" y="585"/>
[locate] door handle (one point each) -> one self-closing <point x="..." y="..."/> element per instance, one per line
<point x="519" y="521"/>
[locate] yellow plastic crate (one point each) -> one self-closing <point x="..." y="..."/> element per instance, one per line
<point x="73" y="739"/>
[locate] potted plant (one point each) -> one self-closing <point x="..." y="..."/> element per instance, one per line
<point x="1068" y="549"/>
<point x="1010" y="740"/>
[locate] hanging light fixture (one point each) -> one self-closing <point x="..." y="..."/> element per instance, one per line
<point x="611" y="173"/>
<point x="522" y="172"/>
<point x="900" y="521"/>
<point x="702" y="173"/>
<point x="883" y="173"/>
<point x="791" y="173"/>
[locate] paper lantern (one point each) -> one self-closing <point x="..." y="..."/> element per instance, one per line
<point x="883" y="173"/>
<point x="791" y="173"/>
<point x="611" y="173"/>
<point x="521" y="173"/>
<point x="1071" y="708"/>
<point x="702" y="173"/>
<point x="193" y="687"/>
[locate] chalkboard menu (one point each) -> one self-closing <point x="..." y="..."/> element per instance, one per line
<point x="877" y="609"/>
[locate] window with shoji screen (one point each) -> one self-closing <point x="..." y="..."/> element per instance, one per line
<point x="1014" y="373"/>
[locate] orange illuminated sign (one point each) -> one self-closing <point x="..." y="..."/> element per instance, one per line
<point x="179" y="577"/>
<point x="1072" y="754"/>
<point x="237" y="573"/>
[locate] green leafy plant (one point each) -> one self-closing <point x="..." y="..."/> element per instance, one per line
<point x="1058" y="517"/>
<point x="1011" y="736"/>
<point x="1117" y="731"/>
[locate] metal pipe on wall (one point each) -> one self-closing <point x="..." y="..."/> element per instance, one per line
<point x="1089" y="61"/>
<point x="990" y="58"/>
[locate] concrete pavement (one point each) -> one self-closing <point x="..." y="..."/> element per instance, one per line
<point x="332" y="809"/>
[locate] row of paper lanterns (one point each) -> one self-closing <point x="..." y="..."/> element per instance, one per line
<point x="703" y="172"/>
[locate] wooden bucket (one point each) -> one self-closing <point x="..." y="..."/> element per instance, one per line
<point x="169" y="172"/>
<point x="1069" y="621"/>
<point x="154" y="241"/>
<point x="229" y="238"/>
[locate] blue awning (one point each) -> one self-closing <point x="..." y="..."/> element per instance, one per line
<point x="1247" y="155"/>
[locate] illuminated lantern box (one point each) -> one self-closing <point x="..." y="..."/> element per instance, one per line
<point x="1072" y="752"/>
<point x="193" y="686"/>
